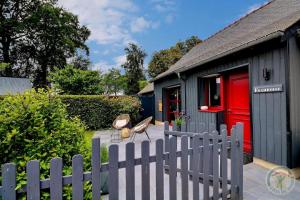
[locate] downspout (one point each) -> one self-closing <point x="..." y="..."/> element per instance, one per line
<point x="183" y="78"/>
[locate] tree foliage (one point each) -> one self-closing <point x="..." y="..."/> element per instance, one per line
<point x="36" y="35"/>
<point x="114" y="82"/>
<point x="163" y="59"/>
<point x="75" y="81"/>
<point x="134" y="68"/>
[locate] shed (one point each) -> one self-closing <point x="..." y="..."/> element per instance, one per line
<point x="146" y="96"/>
<point x="9" y="85"/>
<point x="248" y="72"/>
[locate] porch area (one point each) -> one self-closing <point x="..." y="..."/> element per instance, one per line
<point x="254" y="176"/>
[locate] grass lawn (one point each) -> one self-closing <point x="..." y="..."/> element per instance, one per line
<point x="88" y="138"/>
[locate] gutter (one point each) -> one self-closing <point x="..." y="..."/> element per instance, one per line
<point x="267" y="38"/>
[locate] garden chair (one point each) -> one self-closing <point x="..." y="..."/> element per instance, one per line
<point x="141" y="128"/>
<point x="120" y="122"/>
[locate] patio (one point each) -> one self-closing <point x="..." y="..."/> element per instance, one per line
<point x="254" y="176"/>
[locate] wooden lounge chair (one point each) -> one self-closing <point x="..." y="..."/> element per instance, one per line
<point x="120" y="122"/>
<point x="141" y="128"/>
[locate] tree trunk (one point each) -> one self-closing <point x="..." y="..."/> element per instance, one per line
<point x="6" y="56"/>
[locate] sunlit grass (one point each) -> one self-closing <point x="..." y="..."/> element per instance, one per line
<point x="88" y="138"/>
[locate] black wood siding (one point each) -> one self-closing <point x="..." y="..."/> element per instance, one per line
<point x="269" y="113"/>
<point x="294" y="81"/>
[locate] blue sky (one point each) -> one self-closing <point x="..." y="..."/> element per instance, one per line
<point x="152" y="24"/>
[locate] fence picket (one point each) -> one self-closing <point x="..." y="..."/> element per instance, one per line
<point x="196" y="158"/>
<point x="56" y="181"/>
<point x="167" y="141"/>
<point x="130" y="182"/>
<point x="233" y="163"/>
<point x="224" y="163"/>
<point x="9" y="181"/>
<point x="33" y="179"/>
<point x="240" y="148"/>
<point x="173" y="169"/>
<point x="159" y="170"/>
<point x="206" y="163"/>
<point x="184" y="168"/>
<point x="145" y="171"/>
<point x="96" y="163"/>
<point x="77" y="177"/>
<point x="202" y="130"/>
<point x="113" y="178"/>
<point x="215" y="166"/>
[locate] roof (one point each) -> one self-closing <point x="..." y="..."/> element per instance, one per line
<point x="266" y="23"/>
<point x="14" y="85"/>
<point x="147" y="89"/>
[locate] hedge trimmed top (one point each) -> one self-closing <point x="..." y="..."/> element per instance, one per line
<point x="99" y="112"/>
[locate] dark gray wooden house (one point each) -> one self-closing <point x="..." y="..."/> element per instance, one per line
<point x="248" y="72"/>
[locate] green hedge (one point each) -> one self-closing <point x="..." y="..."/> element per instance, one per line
<point x="99" y="112"/>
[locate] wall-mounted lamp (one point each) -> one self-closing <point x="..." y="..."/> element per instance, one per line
<point x="267" y="73"/>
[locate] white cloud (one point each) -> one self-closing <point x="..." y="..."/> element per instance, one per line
<point x="140" y="24"/>
<point x="101" y="66"/>
<point x="164" y="5"/>
<point x="120" y="60"/>
<point x="108" y="20"/>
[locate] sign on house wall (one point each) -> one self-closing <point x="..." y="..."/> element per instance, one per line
<point x="268" y="88"/>
<point x="160" y="106"/>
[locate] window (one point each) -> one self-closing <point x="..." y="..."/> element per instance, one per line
<point x="210" y="93"/>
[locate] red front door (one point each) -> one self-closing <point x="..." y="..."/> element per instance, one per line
<point x="238" y="104"/>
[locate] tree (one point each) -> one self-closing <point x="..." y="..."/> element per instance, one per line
<point x="114" y="82"/>
<point x="163" y="59"/>
<point x="135" y="56"/>
<point x="36" y="35"/>
<point x="81" y="62"/>
<point x="75" y="81"/>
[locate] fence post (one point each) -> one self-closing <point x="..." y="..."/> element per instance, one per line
<point x="195" y="171"/>
<point x="240" y="156"/>
<point x="224" y="158"/>
<point x="33" y="180"/>
<point x="206" y="164"/>
<point x="145" y="171"/>
<point x="215" y="165"/>
<point x="113" y="178"/>
<point x="56" y="180"/>
<point x="192" y="129"/>
<point x="167" y="142"/>
<point x="9" y="181"/>
<point x="130" y="182"/>
<point x="159" y="170"/>
<point x="234" y="164"/>
<point x="96" y="164"/>
<point x="77" y="177"/>
<point x="184" y="168"/>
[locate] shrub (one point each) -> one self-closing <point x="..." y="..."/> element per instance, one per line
<point x="35" y="126"/>
<point x="98" y="112"/>
<point x="74" y="81"/>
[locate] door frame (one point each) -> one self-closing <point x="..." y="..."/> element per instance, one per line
<point x="167" y="100"/>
